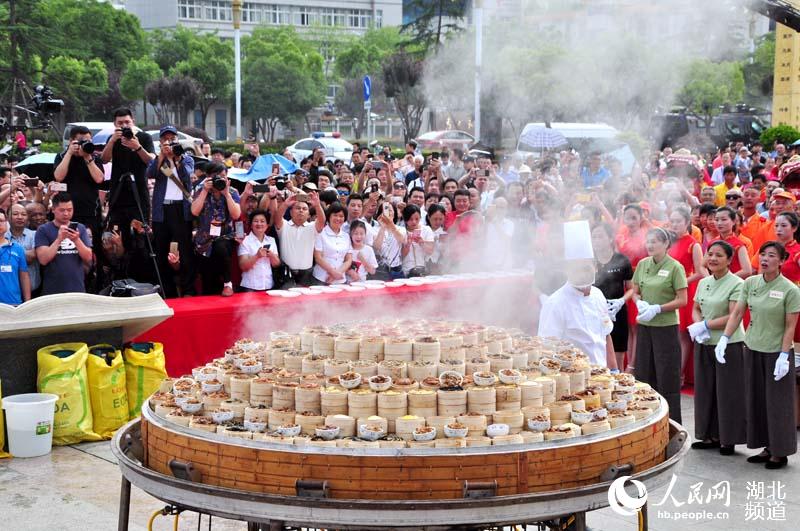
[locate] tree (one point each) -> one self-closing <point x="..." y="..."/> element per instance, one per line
<point x="402" y="76"/>
<point x="350" y="101"/>
<point x="433" y="21"/>
<point x="710" y="85"/>
<point x="138" y="74"/>
<point x="282" y="80"/>
<point x="172" y="97"/>
<point x="77" y="82"/>
<point x="210" y="64"/>
<point x="785" y="134"/>
<point x="759" y="71"/>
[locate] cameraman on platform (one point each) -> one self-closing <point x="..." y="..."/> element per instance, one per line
<point x="172" y="216"/>
<point x="82" y="171"/>
<point x="130" y="151"/>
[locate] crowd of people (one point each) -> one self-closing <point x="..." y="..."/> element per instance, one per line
<point x="690" y="250"/>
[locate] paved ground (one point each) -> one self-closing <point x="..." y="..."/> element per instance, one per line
<point x="78" y="487"/>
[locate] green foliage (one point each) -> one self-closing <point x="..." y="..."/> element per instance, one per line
<point x="709" y="85"/>
<point x="266" y="147"/>
<point x="433" y="21"/>
<point x="781" y="134"/>
<point x="138" y="74"/>
<point x="759" y="71"/>
<point x="366" y="54"/>
<point x="77" y="82"/>
<point x="282" y="77"/>
<point x="402" y="80"/>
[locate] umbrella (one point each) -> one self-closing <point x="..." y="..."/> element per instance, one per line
<point x="39" y="166"/>
<point x="543" y="138"/>
<point x="795" y="143"/>
<point x="101" y="137"/>
<point x="262" y="168"/>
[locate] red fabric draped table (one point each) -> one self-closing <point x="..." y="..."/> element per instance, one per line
<point x="203" y="327"/>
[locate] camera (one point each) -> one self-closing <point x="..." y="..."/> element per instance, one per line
<point x="177" y="149"/>
<point x="280" y="183"/>
<point x="44" y="102"/>
<point x="218" y="183"/>
<point x="87" y="146"/>
<point x="127" y="132"/>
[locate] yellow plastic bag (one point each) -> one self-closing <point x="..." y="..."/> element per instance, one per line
<point x="2" y="426"/>
<point x="107" y="389"/>
<point x="145" y="367"/>
<point x="62" y="371"/>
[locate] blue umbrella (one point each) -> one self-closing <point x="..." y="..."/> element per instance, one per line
<point x="262" y="168"/>
<point x="539" y="137"/>
<point x="101" y="137"/>
<point x="39" y="166"/>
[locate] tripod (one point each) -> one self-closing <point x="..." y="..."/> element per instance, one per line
<point x="146" y="227"/>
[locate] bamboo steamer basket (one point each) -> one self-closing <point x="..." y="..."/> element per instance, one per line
<point x="475" y="423"/>
<point x="277" y="418"/>
<point x="283" y="396"/>
<point x="499" y="361"/>
<point x="519" y="358"/>
<point x="477" y="441"/>
<point x="404" y="384"/>
<point x="421" y="444"/>
<point x="439" y="423"/>
<point x="548" y="399"/>
<point x="534" y="355"/>
<point x="398" y="349"/>
<point x="333" y="401"/>
<point x="347" y="343"/>
<point x="373" y="420"/>
<point x="562" y="383"/>
<point x="391" y="415"/>
<point x="451" y="341"/>
<point x="448" y="443"/>
<point x="591" y="398"/>
<point x="419" y="370"/>
<point x="392" y="444"/>
<point x="452" y="365"/>
<point x="577" y="403"/>
<point x="256" y="414"/>
<point x="347" y="424"/>
<point x="430" y="383"/>
<point x="421" y="399"/>
<point x="494" y="346"/>
<point x="212" y="401"/>
<point x="560" y="411"/>
<point x="240" y="387"/>
<point x="605" y="382"/>
<point x="278" y="439"/>
<point x="308" y="333"/>
<point x="166" y="385"/>
<point x="392" y="399"/>
<point x="371" y="348"/>
<point x="334" y="367"/>
<point x="514" y="419"/>
<point x="577" y="379"/>
<point x="308" y="423"/>
<point x="548" y="385"/>
<point x="530" y="412"/>
<point x="474" y="350"/>
<point x="324" y="342"/>
<point x="455" y="353"/>
<point x="179" y="417"/>
<point x="164" y="410"/>
<point x="393" y="368"/>
<point x="469" y="337"/>
<point x="404" y="426"/>
<point x="531" y="394"/>
<point x="653" y="403"/>
<point x="425" y="346"/>
<point x="423" y="411"/>
<point x="307" y="398"/>
<point x="313" y="364"/>
<point x="362" y="403"/>
<point x="604" y="392"/>
<point x="508" y="396"/>
<point x="529" y="437"/>
<point x="482" y="400"/>
<point x="596" y="426"/>
<point x="277" y="355"/>
<point x="504" y="440"/>
<point x="474" y="365"/>
<point x="261" y="386"/>
<point x="639" y="412"/>
<point x="283" y="377"/>
<point x="366" y="368"/>
<point x="451" y="403"/>
<point x="293" y="360"/>
<point x="238" y="434"/>
<point x="347" y="356"/>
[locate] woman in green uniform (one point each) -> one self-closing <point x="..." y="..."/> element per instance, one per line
<point x="718" y="398"/>
<point x="774" y="303"/>
<point x="659" y="285"/>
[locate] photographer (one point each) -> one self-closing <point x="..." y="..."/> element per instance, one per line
<point x="297" y="236"/>
<point x="216" y="205"/>
<point x="63" y="248"/>
<point x="172" y="216"/>
<point x="130" y="153"/>
<point x="258" y="254"/>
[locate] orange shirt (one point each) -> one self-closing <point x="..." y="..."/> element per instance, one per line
<point x="697" y="234"/>
<point x="748" y="243"/>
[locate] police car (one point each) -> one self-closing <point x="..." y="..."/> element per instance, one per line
<point x="334" y="145"/>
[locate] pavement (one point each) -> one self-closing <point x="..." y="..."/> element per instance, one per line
<point x="77" y="487"/>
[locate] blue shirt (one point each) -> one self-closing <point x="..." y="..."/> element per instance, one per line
<point x="12" y="263"/>
<point x="185" y="170"/>
<point x="594" y="179"/>
<point x="64" y="274"/>
<point x="27" y="243"/>
<point x="509" y="175"/>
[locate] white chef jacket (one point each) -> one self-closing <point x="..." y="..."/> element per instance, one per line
<point x="583" y="320"/>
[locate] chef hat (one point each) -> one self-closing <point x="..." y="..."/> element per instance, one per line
<point x="578" y="241"/>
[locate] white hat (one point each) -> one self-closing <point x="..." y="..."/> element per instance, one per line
<point x="578" y="241"/>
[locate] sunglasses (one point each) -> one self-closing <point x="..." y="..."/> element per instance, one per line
<point x="343" y="192"/>
<point x="734" y="196"/>
<point x="399" y="187"/>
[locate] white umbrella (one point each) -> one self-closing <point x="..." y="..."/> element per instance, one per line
<point x="543" y="138"/>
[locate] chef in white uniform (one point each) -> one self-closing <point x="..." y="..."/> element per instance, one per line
<point x="578" y="311"/>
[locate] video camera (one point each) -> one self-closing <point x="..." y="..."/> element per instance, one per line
<point x="43" y="100"/>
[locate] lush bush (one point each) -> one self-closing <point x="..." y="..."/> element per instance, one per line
<point x="783" y="134"/>
<point x="238" y="147"/>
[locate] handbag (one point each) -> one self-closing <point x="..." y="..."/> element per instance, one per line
<point x="129" y="288"/>
<point x="282" y="277"/>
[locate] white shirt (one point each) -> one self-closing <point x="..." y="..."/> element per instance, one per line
<point x="584" y="320"/>
<point x="260" y="275"/>
<point x="391" y="250"/>
<point x="297" y="244"/>
<point x="371" y="231"/>
<point x="498" y="244"/>
<point x="416" y="254"/>
<point x="334" y="248"/>
<point x="365" y="255"/>
<point x="173" y="193"/>
<point x="437" y="245"/>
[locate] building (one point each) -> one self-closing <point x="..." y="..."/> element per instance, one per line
<point x="349" y="16"/>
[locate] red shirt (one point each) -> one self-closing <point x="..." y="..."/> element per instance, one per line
<point x="790" y="268"/>
<point x="632" y="246"/>
<point x="736" y="243"/>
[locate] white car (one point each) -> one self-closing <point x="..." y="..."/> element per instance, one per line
<point x="185" y="140"/>
<point x="334" y="145"/>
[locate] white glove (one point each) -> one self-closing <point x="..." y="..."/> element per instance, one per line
<point x="719" y="350"/>
<point x="641" y="305"/>
<point x="648" y="313"/>
<point x="699" y="332"/>
<point x="781" y="366"/>
<point x="614" y="306"/>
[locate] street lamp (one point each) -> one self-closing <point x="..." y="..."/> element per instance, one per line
<point x="477" y="19"/>
<point x="237" y="22"/>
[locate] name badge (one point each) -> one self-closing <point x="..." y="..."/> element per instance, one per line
<point x="6" y="269"/>
<point x="775" y="294"/>
<point x="663" y="273"/>
<point x="215" y="230"/>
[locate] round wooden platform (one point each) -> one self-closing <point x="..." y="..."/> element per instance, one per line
<point x="404" y="474"/>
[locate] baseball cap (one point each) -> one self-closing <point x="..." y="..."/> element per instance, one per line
<point x="310" y="186"/>
<point x="167" y="129"/>
<point x="784" y="194"/>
